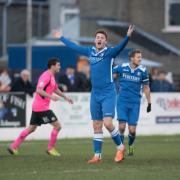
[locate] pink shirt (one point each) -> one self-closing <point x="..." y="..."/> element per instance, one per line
<point x="46" y="82"/>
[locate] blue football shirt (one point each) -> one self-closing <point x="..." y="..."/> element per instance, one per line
<point x="131" y="82"/>
<point x="100" y="61"/>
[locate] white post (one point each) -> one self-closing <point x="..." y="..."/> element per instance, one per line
<point x="29" y="37"/>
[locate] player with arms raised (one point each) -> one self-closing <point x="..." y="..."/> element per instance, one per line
<point x="103" y="96"/>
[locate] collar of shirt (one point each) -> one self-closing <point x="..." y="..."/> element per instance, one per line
<point x="98" y="52"/>
<point x="132" y="70"/>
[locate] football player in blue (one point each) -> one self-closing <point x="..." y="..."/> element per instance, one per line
<point x="133" y="78"/>
<point x="103" y="95"/>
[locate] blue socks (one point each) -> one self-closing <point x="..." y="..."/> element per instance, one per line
<point x="122" y="138"/>
<point x="131" y="138"/>
<point x="97" y="144"/>
<point x="116" y="137"/>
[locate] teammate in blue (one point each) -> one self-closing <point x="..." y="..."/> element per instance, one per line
<point x="133" y="78"/>
<point x="103" y="96"/>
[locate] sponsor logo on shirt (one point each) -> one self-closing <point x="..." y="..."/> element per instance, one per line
<point x="95" y="59"/>
<point x="131" y="78"/>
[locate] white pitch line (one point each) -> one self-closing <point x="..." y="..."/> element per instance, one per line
<point x="71" y="171"/>
<point x="67" y="171"/>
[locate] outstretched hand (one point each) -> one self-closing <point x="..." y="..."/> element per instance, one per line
<point x="57" y="34"/>
<point x="69" y="100"/>
<point x="130" y="30"/>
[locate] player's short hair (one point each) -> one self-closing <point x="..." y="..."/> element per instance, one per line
<point x="52" y="61"/>
<point x="101" y="31"/>
<point x="133" y="52"/>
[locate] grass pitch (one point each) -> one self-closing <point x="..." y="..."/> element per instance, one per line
<point x="156" y="158"/>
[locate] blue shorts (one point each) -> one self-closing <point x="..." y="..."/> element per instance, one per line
<point x="102" y="103"/>
<point x="128" y="112"/>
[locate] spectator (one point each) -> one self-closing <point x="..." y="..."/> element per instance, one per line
<point x="154" y="72"/>
<point x="72" y="81"/>
<point x="86" y="71"/>
<point x="161" y="84"/>
<point x="153" y="75"/>
<point x="5" y="81"/>
<point x="23" y="83"/>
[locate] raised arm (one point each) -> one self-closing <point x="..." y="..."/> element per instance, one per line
<point x="81" y="49"/>
<point x="118" y="48"/>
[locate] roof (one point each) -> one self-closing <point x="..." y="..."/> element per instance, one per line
<point x="141" y="37"/>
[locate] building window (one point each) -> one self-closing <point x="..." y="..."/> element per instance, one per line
<point x="70" y="22"/>
<point x="172" y="16"/>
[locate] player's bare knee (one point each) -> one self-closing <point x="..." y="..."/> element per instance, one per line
<point x="122" y="127"/>
<point x="132" y="133"/>
<point x="121" y="130"/>
<point x="32" y="128"/>
<point x="57" y="126"/>
<point x="132" y="130"/>
<point x="109" y="126"/>
<point x="97" y="126"/>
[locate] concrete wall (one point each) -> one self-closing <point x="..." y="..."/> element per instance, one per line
<point x="98" y="8"/>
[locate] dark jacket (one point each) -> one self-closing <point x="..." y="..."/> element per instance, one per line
<point x="162" y="86"/>
<point x="20" y="86"/>
<point x="79" y="84"/>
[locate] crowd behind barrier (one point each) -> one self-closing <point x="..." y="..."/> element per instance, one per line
<point x="78" y="80"/>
